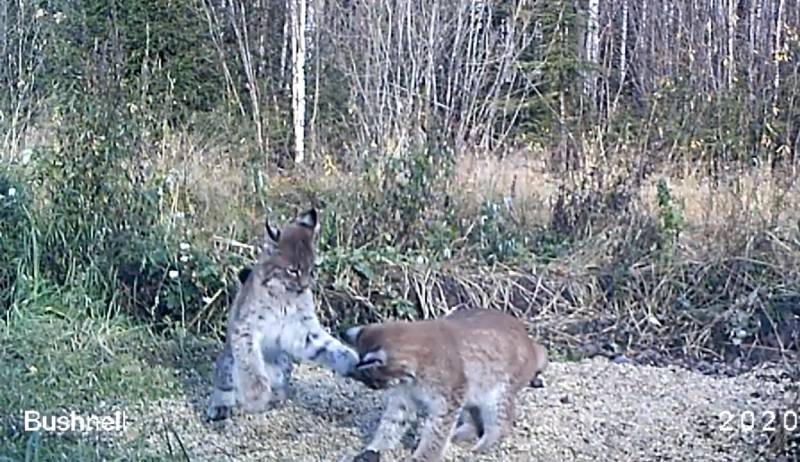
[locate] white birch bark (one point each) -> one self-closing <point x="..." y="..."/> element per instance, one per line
<point x="732" y="20"/>
<point x="298" y="20"/>
<point x="623" y="53"/>
<point x="592" y="49"/>
<point x="778" y="45"/>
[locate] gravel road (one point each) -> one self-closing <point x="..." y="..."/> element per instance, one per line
<point x="593" y="410"/>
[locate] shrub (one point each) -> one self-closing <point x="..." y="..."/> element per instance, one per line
<point x="15" y="237"/>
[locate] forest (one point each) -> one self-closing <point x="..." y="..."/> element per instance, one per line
<point x="622" y="175"/>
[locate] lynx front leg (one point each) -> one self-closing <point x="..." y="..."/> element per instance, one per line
<point x="308" y="341"/>
<point x="399" y="411"/>
<point x="396" y="418"/>
<point x="364" y="456"/>
<point x="437" y="432"/>
<point x="251" y="375"/>
<point x="223" y="397"/>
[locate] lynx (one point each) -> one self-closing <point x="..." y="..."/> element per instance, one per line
<point x="465" y="369"/>
<point x="271" y="323"/>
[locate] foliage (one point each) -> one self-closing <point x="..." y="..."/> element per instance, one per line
<point x="15" y="237"/>
<point x="497" y="235"/>
<point x="402" y="198"/>
<point x="57" y="360"/>
<point x="670" y="216"/>
<point x="555" y="63"/>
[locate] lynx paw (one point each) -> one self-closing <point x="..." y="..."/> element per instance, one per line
<point x="221" y="405"/>
<point x="219" y="412"/>
<point x="343" y="361"/>
<point x="256" y="396"/>
<point x="367" y="455"/>
<point x="486" y="442"/>
<point x="281" y="394"/>
<point x="464" y="432"/>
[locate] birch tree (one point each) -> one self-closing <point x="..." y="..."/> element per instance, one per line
<point x="592" y="50"/>
<point x="297" y="13"/>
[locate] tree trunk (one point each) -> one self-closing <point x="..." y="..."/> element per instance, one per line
<point x="777" y="52"/>
<point x="3" y="38"/>
<point x="623" y="54"/>
<point x="285" y="41"/>
<point x="592" y="50"/>
<point x="298" y="19"/>
<point x="732" y="20"/>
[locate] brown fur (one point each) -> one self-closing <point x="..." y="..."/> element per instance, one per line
<point x="472" y="360"/>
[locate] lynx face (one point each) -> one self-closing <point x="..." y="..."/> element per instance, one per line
<point x="377" y="369"/>
<point x="288" y="263"/>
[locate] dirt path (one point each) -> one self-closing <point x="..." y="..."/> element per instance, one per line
<point x="593" y="410"/>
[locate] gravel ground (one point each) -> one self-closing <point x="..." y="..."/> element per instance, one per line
<point x="588" y="411"/>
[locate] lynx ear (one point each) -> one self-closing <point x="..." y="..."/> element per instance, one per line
<point x="273" y="233"/>
<point x="372" y="360"/>
<point x="244" y="273"/>
<point x="309" y="219"/>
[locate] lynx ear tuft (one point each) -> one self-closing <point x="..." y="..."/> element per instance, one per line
<point x="273" y="233"/>
<point x="372" y="360"/>
<point x="309" y="219"/>
<point x="244" y="273"/>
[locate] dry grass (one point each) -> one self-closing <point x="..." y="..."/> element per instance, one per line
<point x="521" y="176"/>
<point x="202" y="180"/>
<point x="752" y="196"/>
<point x="737" y="256"/>
<point x="215" y="188"/>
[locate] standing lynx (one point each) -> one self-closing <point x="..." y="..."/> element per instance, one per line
<point x="472" y="360"/>
<point x="272" y="322"/>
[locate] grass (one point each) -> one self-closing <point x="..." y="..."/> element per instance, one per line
<point x="58" y="360"/>
<point x="685" y="289"/>
<point x="682" y="276"/>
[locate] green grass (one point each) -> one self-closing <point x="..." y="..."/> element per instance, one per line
<point x="56" y="359"/>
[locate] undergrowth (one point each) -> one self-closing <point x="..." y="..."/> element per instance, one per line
<point x="59" y="361"/>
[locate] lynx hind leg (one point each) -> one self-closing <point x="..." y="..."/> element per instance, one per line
<point x="497" y="416"/>
<point x="223" y="396"/>
<point x="470" y="425"/>
<point x="437" y="431"/>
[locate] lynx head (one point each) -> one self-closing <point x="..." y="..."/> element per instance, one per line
<point x="380" y="355"/>
<point x="287" y="264"/>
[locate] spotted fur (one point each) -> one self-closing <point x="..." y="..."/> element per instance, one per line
<point x="272" y="323"/>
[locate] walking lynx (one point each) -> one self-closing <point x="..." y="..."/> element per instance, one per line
<point x="471" y="364"/>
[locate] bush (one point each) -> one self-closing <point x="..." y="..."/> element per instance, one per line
<point x="105" y="220"/>
<point x="15" y="237"/>
<point x="172" y="282"/>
